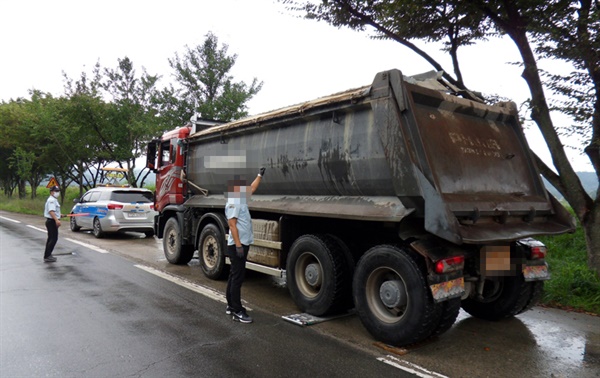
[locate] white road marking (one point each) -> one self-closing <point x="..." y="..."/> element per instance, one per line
<point x="10" y="220"/>
<point x="92" y="247"/>
<point x="206" y="291"/>
<point x="410" y="367"/>
<point x="36" y="228"/>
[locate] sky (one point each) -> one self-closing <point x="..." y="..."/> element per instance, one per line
<point x="296" y="59"/>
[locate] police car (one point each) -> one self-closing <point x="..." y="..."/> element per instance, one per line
<point x="114" y="209"/>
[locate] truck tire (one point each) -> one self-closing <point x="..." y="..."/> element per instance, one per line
<point x="537" y="290"/>
<point x="97" y="228"/>
<point x="211" y="252"/>
<point x="392" y="298"/>
<point x="316" y="275"/>
<point x="503" y="298"/>
<point x="449" y="310"/>
<point x="346" y="302"/>
<point x="73" y="225"/>
<point x="175" y="252"/>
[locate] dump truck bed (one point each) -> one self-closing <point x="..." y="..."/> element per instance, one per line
<point x="399" y="149"/>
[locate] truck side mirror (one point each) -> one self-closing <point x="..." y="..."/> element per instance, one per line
<point x="151" y="155"/>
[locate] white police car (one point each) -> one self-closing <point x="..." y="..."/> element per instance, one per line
<point x="114" y="209"/>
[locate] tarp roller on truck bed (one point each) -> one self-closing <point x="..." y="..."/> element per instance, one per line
<point x="399" y="149"/>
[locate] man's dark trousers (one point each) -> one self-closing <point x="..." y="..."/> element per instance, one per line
<point x="237" y="274"/>
<point x="52" y="237"/>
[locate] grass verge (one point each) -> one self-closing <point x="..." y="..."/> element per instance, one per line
<point x="573" y="286"/>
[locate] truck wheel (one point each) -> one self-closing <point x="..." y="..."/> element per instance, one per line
<point x="503" y="298"/>
<point x="211" y="251"/>
<point x="392" y="298"/>
<point x="73" y="225"/>
<point x="316" y="274"/>
<point x="175" y="252"/>
<point x="537" y="290"/>
<point x="97" y="229"/>
<point x="448" y="313"/>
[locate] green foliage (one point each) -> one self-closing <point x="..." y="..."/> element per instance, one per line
<point x="573" y="284"/>
<point x="205" y="84"/>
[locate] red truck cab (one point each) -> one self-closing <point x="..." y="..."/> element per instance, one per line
<point x="169" y="165"/>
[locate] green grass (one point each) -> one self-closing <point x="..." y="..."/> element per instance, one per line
<point x="36" y="206"/>
<point x="573" y="285"/>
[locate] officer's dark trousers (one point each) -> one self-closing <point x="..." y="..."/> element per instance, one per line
<point x="52" y="237"/>
<point x="237" y="274"/>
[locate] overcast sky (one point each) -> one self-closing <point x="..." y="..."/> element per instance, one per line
<point x="297" y="59"/>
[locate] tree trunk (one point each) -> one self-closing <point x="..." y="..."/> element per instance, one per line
<point x="592" y="237"/>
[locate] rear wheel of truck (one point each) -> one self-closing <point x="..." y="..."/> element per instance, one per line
<point x="211" y="252"/>
<point x="449" y="310"/>
<point x="317" y="277"/>
<point x="503" y="298"/>
<point x="175" y="252"/>
<point x="392" y="298"/>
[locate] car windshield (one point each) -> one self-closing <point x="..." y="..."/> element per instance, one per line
<point x="132" y="197"/>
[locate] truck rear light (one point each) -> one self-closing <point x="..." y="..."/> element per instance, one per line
<point x="114" y="206"/>
<point x="450" y="264"/>
<point x="538" y="253"/>
<point x="152" y="207"/>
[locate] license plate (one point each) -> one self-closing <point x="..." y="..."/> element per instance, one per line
<point x="536" y="273"/>
<point x="136" y="215"/>
<point x="495" y="260"/>
<point x="449" y="289"/>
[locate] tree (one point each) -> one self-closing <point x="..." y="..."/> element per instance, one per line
<point x="115" y="131"/>
<point x="133" y="119"/>
<point x="205" y="85"/>
<point x="567" y="30"/>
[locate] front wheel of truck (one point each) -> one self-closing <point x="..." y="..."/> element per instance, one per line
<point x="392" y="298"/>
<point x="211" y="252"/>
<point x="175" y="252"/>
<point x="503" y="297"/>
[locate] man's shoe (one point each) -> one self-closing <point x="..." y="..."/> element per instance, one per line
<point x="50" y="259"/>
<point x="241" y="317"/>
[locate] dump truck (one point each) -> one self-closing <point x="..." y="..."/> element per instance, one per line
<point x="403" y="201"/>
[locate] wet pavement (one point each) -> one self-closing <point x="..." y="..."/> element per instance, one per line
<point x="542" y="342"/>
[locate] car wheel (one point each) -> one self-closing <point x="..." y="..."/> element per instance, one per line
<point x="73" y="224"/>
<point x="97" y="229"/>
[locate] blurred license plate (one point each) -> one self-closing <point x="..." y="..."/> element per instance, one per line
<point x="136" y="215"/>
<point x="495" y="260"/>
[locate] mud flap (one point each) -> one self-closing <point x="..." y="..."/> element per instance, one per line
<point x="446" y="290"/>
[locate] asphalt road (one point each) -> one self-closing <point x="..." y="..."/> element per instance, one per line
<point x="94" y="314"/>
<point x="539" y="343"/>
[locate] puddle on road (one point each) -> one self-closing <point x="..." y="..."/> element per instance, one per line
<point x="565" y="346"/>
<point x="538" y="343"/>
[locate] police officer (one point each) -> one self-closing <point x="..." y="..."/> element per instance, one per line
<point x="52" y="214"/>
<point x="238" y="242"/>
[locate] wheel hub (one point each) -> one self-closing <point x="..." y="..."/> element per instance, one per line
<point x="392" y="293"/>
<point x="313" y="275"/>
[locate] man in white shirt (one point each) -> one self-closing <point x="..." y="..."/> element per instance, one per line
<point x="238" y="242"/>
<point x="52" y="214"/>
